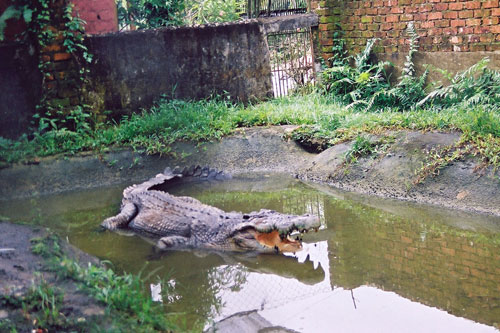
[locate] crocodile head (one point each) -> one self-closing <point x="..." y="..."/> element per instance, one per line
<point x="268" y="231"/>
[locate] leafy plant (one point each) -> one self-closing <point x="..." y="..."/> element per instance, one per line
<point x="149" y="14"/>
<point x="355" y="85"/>
<point x="410" y="88"/>
<point x="476" y="85"/>
<point x="208" y="11"/>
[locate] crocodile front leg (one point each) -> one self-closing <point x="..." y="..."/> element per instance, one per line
<point x="172" y="241"/>
<point x="127" y="213"/>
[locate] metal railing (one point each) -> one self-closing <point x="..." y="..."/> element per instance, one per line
<point x="267" y="8"/>
<point x="292" y="60"/>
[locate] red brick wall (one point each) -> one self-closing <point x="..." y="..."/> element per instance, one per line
<point x="100" y="15"/>
<point x="443" y="25"/>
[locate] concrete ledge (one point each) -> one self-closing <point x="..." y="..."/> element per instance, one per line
<point x="289" y="22"/>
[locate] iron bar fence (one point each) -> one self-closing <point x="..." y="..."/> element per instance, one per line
<point x="263" y="8"/>
<point x="292" y="60"/>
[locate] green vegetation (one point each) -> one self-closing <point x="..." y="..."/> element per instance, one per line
<point x="129" y="306"/>
<point x="149" y="14"/>
<point x="321" y="117"/>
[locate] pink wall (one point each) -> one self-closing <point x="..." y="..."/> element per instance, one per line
<point x="100" y="15"/>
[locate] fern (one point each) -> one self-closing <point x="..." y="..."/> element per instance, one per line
<point x="410" y="89"/>
<point x="476" y="85"/>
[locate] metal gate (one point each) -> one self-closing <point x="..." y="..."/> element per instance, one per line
<point x="292" y="60"/>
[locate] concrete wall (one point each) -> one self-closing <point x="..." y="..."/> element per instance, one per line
<point x="133" y="69"/>
<point x="20" y="88"/>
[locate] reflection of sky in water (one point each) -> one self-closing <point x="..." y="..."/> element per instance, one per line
<point x="421" y="254"/>
<point x="374" y="310"/>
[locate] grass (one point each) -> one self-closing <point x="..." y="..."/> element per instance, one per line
<point x="321" y="117"/>
<point x="129" y="306"/>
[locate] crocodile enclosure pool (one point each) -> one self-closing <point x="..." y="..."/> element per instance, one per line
<point x="375" y="264"/>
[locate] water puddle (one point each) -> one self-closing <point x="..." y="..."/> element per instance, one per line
<point x="375" y="265"/>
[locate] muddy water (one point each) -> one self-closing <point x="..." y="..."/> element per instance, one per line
<point x="375" y="265"/>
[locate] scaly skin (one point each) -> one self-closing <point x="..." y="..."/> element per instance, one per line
<point x="184" y="222"/>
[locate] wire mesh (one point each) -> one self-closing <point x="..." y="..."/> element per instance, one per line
<point x="292" y="60"/>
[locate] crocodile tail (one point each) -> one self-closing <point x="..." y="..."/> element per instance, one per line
<point x="199" y="172"/>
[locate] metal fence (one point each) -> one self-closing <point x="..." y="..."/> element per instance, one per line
<point x="292" y="60"/>
<point x="263" y="8"/>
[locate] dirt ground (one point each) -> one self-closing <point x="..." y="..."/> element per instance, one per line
<point x="20" y="269"/>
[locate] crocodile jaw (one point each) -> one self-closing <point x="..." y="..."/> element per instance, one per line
<point x="264" y="234"/>
<point x="273" y="240"/>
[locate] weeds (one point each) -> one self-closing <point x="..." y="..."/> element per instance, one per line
<point x="129" y="306"/>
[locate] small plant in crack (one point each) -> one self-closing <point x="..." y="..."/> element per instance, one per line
<point x="363" y="146"/>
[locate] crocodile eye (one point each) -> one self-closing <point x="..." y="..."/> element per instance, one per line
<point x="246" y="217"/>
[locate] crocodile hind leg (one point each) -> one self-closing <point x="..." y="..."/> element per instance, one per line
<point x="123" y="218"/>
<point x="171" y="241"/>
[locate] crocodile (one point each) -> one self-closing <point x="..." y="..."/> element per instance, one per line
<point x="185" y="222"/>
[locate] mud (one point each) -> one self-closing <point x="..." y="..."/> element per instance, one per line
<point x="20" y="269"/>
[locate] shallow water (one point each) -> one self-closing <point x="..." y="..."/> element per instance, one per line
<point x="375" y="265"/>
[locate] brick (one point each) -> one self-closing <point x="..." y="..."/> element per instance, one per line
<point x="392" y="18"/>
<point x="482" y="30"/>
<point x="495" y="12"/>
<point x="457" y="23"/>
<point x="434" y="31"/>
<point x="491" y="21"/>
<point x="383" y="10"/>
<point x="386" y="26"/>
<point x="420" y="17"/>
<point x="426" y="25"/>
<point x="487" y="38"/>
<point x="435" y="16"/>
<point x="371" y="11"/>
<point x="62" y="56"/>
<point x="367" y="19"/>
<point x="441" y="6"/>
<point x="466" y="14"/>
<point x="393" y="33"/>
<point x="495" y="29"/>
<point x="466" y="30"/>
<point x="406" y="17"/>
<point x="425" y="8"/>
<point x="472" y="22"/>
<point x="450" y="31"/>
<point x="473" y="39"/>
<point x="482" y="13"/>
<point x="397" y="10"/>
<point x="411" y="10"/>
<point x="450" y="15"/>
<point x="473" y="5"/>
<point x="456" y="6"/>
<point x="490" y="4"/>
<point x="460" y="48"/>
<point x="442" y="23"/>
<point x="456" y="40"/>
<point x="378" y="3"/>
